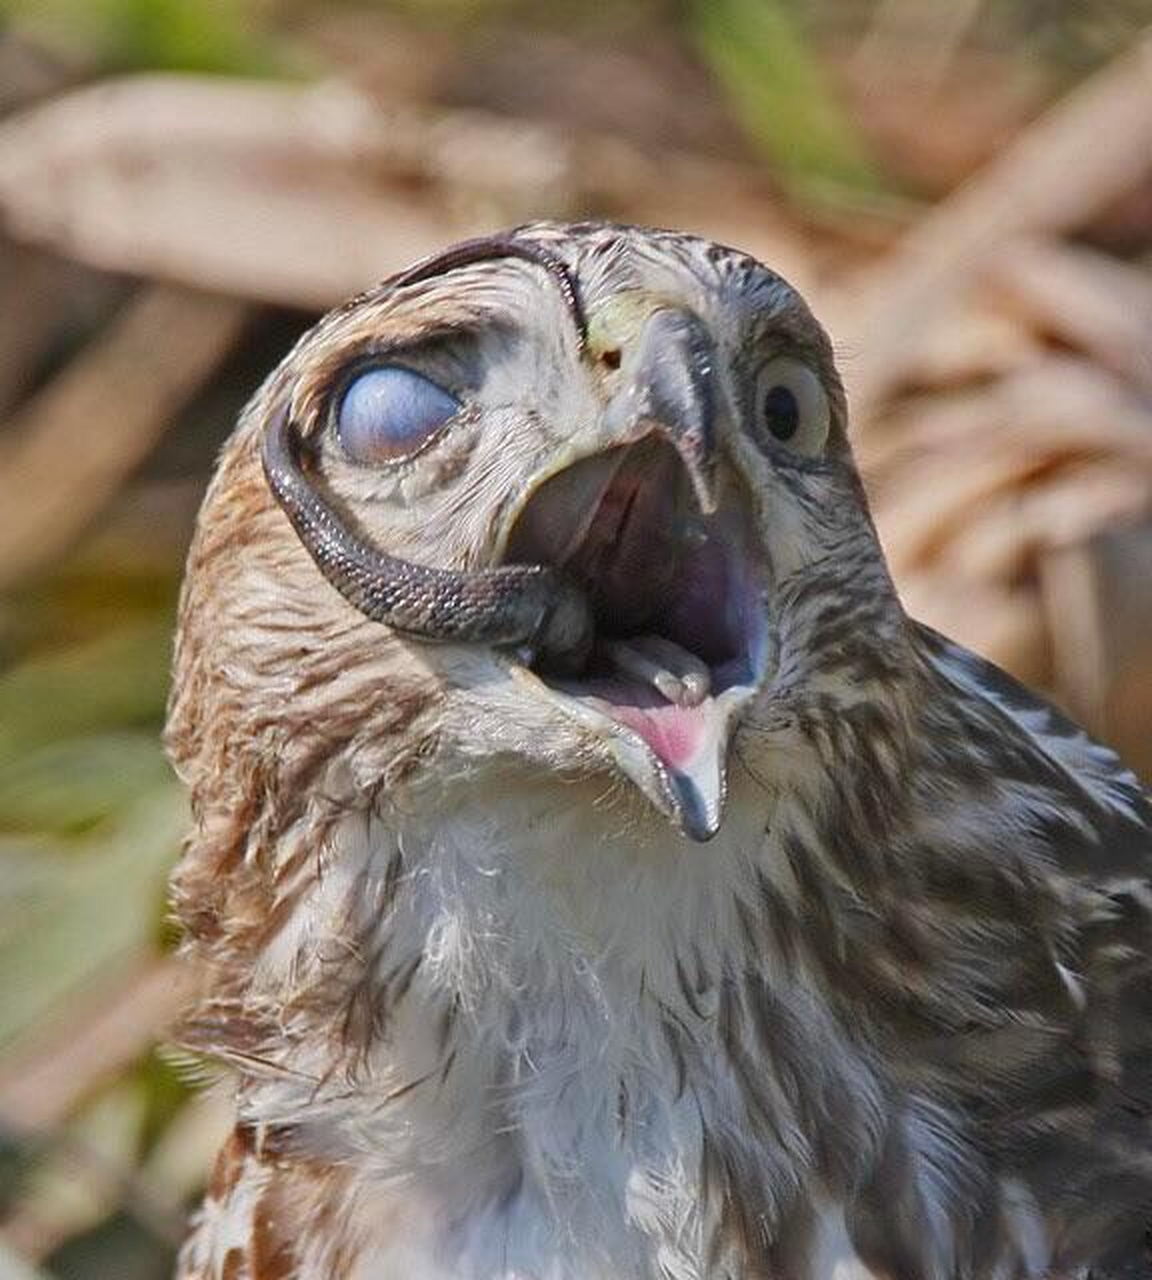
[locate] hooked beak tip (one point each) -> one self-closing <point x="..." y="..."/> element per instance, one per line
<point x="698" y="797"/>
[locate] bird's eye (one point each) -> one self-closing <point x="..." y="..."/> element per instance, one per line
<point x="792" y="406"/>
<point x="388" y="413"/>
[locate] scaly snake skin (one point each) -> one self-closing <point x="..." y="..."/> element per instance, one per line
<point x="511" y="605"/>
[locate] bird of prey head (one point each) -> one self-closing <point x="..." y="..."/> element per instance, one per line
<point x="525" y="574"/>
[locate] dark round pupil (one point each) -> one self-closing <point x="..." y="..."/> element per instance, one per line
<point x="782" y="412"/>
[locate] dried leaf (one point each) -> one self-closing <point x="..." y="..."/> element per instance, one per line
<point x="1085" y="152"/>
<point x="1097" y="597"/>
<point x="74" y="443"/>
<point x="975" y="345"/>
<point x="306" y="196"/>
<point x="1082" y="299"/>
<point x="41" y="1083"/>
<point x="1005" y="625"/>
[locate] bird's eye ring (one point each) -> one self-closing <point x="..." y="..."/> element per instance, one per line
<point x="792" y="406"/>
<point x="388" y="413"/>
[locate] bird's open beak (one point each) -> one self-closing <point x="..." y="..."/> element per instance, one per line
<point x="631" y="585"/>
<point x="656" y="528"/>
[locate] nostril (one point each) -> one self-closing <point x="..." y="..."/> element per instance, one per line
<point x="610" y="359"/>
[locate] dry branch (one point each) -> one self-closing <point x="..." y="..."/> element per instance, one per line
<point x="1084" y="153"/>
<point x="305" y="196"/>
<point x="71" y="446"/>
<point x="1081" y="299"/>
<point x="33" y="298"/>
<point x="1096" y="594"/>
<point x="41" y="1084"/>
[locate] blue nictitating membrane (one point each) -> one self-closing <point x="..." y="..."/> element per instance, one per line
<point x="388" y="412"/>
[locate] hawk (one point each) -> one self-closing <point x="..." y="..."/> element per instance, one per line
<point x="595" y="874"/>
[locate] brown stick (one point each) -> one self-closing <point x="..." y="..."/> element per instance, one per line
<point x="1085" y="300"/>
<point x="1084" y="153"/>
<point x="305" y="196"/>
<point x="72" y="446"/>
<point x="43" y="1082"/>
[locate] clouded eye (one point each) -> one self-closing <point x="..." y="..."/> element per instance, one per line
<point x="389" y="412"/>
<point x="792" y="406"/>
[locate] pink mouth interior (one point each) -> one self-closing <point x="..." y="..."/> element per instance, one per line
<point x="653" y="565"/>
<point x="675" y="734"/>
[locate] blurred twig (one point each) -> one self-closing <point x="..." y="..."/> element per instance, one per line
<point x="305" y="196"/>
<point x="923" y="37"/>
<point x="43" y="1081"/>
<point x="27" y="72"/>
<point x="38" y="1225"/>
<point x="1098" y="590"/>
<point x="777" y="88"/>
<point x="74" y="443"/>
<point x="1087" y="151"/>
<point x="26" y="330"/>
<point x="1085" y="300"/>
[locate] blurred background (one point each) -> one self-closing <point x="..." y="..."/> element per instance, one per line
<point x="963" y="188"/>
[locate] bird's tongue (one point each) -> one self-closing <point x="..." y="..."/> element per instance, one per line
<point x="688" y="740"/>
<point x="674" y="732"/>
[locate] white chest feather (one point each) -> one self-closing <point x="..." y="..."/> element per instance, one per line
<point x="571" y="1048"/>
<point x="566" y="1072"/>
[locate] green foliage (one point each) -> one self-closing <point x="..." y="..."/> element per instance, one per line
<point x="159" y="35"/>
<point x="90" y="815"/>
<point x="778" y="92"/>
<point x="91" y="821"/>
<point x="165" y="1091"/>
<point x="118" y="680"/>
<point x="67" y="788"/>
<point x="119" y="1246"/>
<point x="71" y="911"/>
